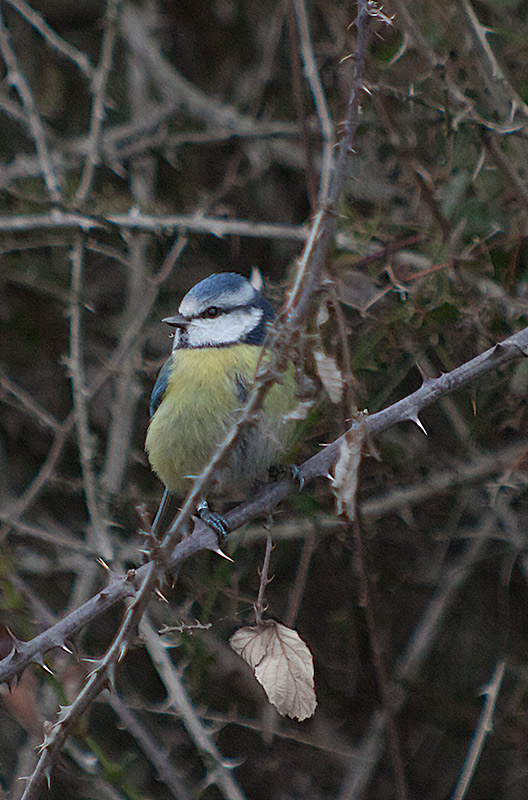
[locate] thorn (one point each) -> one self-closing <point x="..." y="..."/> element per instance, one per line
<point x="425" y="377"/>
<point x="103" y="564"/>
<point x="221" y="553"/>
<point x="161" y="596"/>
<point x="418" y="422"/>
<point x="45" y="667"/>
<point x="67" y="649"/>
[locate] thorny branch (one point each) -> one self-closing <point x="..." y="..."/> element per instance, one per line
<point x="484" y="727"/>
<point x="202" y="537"/>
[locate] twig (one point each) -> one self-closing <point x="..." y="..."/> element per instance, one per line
<point x="310" y="178"/>
<point x="438" y="481"/>
<point x="296" y="593"/>
<point x="54" y="537"/>
<point x="127" y="392"/>
<point x="497" y="155"/>
<point x="321" y="107"/>
<point x="28" y="402"/>
<point x="264" y="580"/>
<point x="99" y="85"/>
<point x="387" y="700"/>
<point x="18" y="81"/>
<point x="46" y="470"/>
<point x="418" y="648"/>
<point x="98" y="531"/>
<point x="484" y="727"/>
<point x="98" y="679"/>
<point x="481" y="31"/>
<point x="126" y="341"/>
<point x="219" y="772"/>
<point x="50" y="36"/>
<point x="323" y="227"/>
<point x="155" y="752"/>
<point x="167" y="224"/>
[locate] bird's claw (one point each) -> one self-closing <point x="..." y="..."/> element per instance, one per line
<point x="215" y="521"/>
<point x="297" y="475"/>
<point x="278" y="471"/>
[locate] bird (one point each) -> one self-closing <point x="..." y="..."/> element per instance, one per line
<point x="219" y="333"/>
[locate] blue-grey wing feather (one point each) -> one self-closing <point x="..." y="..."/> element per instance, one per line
<point x="160" y="386"/>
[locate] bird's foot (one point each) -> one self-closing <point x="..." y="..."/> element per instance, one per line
<point x="215" y="521"/>
<point x="278" y="471"/>
<point x="297" y="475"/>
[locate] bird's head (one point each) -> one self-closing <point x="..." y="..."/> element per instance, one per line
<point x="223" y="309"/>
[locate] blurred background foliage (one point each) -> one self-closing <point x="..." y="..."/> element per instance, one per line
<point x="207" y="114"/>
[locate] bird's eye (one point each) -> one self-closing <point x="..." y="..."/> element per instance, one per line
<point x="211" y="312"/>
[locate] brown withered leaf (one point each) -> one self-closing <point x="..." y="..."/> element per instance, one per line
<point x="330" y="375"/>
<point x="346" y="471"/>
<point x="282" y="664"/>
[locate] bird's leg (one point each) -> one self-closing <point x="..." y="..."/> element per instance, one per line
<point x="215" y="521"/>
<point x="161" y="513"/>
<point x="152" y="530"/>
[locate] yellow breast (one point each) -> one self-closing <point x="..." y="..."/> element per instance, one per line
<point x="204" y="393"/>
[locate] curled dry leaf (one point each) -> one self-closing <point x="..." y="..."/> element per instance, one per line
<point x="282" y="664"/>
<point x="346" y="470"/>
<point x="330" y="375"/>
<point x="323" y="315"/>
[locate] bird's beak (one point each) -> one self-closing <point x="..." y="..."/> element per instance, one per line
<point x="177" y="321"/>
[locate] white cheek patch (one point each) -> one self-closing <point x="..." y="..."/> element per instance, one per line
<point x="226" y="329"/>
<point x="177" y="339"/>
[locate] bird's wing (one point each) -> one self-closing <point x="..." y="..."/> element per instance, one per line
<point x="160" y="386"/>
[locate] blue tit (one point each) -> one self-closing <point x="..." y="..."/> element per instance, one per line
<point x="219" y="332"/>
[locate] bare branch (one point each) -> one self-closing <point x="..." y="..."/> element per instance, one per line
<point x="17" y="79"/>
<point x="154" y="751"/>
<point x="220" y="772"/>
<point x="484" y="727"/>
<point x="321" y="107"/>
<point x="99" y="86"/>
<point x="98" y="530"/>
<point x="50" y="36"/>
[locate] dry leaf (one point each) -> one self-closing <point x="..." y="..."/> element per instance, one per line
<point x="282" y="664"/>
<point x="323" y="315"/>
<point x="330" y="375"/>
<point x="301" y="411"/>
<point x="346" y="470"/>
